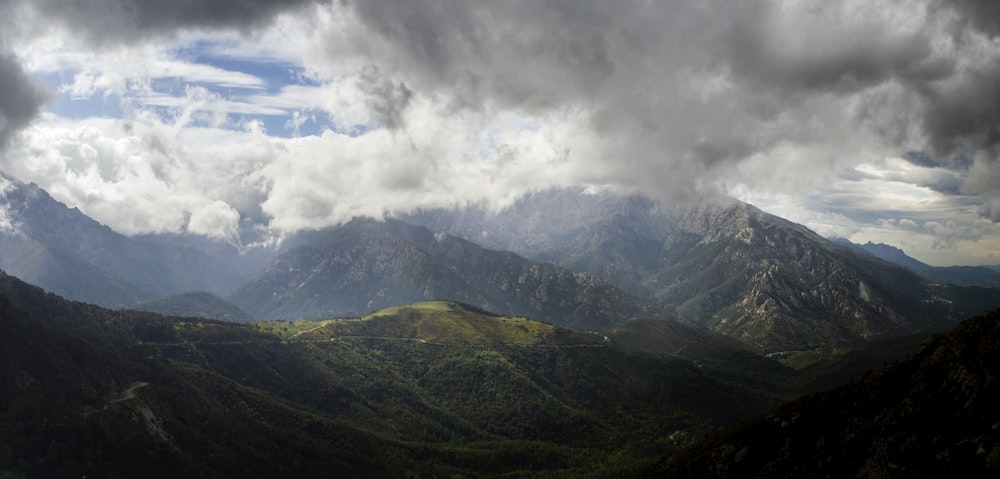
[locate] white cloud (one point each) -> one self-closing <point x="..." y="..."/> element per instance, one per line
<point x="215" y="220"/>
<point x="138" y="175"/>
<point x="8" y="223"/>
<point x="435" y="162"/>
<point x="103" y="76"/>
<point x="801" y="107"/>
<point x="907" y="224"/>
<point x="885" y="201"/>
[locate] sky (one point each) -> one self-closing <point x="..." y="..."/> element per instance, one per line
<point x="243" y="120"/>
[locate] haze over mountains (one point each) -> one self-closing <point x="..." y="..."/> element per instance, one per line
<point x="960" y="275"/>
<point x="365" y="265"/>
<point x="566" y="256"/>
<point x="574" y="334"/>
<point x="46" y="243"/>
<point x="727" y="266"/>
<point x="433" y="239"/>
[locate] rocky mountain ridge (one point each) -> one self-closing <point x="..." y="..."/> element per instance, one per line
<point x="59" y="248"/>
<point x="987" y="276"/>
<point x="368" y="264"/>
<point x="725" y="265"/>
<point x="585" y="259"/>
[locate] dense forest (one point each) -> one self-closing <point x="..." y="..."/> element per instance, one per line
<point x="429" y="390"/>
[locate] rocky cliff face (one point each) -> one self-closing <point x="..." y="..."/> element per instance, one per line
<point x="726" y="265"/>
<point x="366" y="264"/>
<point x="778" y="285"/>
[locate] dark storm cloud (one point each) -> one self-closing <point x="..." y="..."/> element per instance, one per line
<point x="961" y="117"/>
<point x="965" y="116"/>
<point x="700" y="87"/>
<point x="387" y="99"/>
<point x="625" y="68"/>
<point x="926" y="160"/>
<point x="983" y="15"/>
<point x="20" y="97"/>
<point x="842" y="61"/>
<point x="712" y="152"/>
<point x="666" y="96"/>
<point x="946" y="184"/>
<point x="104" y="21"/>
<point x="920" y="158"/>
<point x="522" y="53"/>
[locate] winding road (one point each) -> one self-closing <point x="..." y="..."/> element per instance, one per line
<point x="130" y="392"/>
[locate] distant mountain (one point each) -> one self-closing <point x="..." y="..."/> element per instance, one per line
<point x="964" y="275"/>
<point x="933" y="415"/>
<point x="197" y="304"/>
<point x="366" y="264"/>
<point x="64" y="251"/>
<point x="958" y="275"/>
<point x="886" y="252"/>
<point x="577" y="259"/>
<point x="728" y="266"/>
<point x="428" y="390"/>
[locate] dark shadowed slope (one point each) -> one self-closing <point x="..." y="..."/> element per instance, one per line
<point x="199" y="304"/>
<point x="933" y="415"/>
<point x="433" y="389"/>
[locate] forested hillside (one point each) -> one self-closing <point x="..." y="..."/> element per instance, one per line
<point x="432" y="389"/>
<point x="932" y="415"/>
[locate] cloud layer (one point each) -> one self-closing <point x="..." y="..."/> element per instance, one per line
<point x="236" y="115"/>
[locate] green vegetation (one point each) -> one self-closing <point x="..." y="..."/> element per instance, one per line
<point x="435" y="389"/>
<point x="931" y="415"/>
<point x="198" y="304"/>
<point x="437" y="322"/>
<point x="490" y="396"/>
<point x="453" y="323"/>
<point x="288" y="329"/>
<point x="827" y="368"/>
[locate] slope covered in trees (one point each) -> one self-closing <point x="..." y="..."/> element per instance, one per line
<point x="932" y="415"/>
<point x="433" y="389"/>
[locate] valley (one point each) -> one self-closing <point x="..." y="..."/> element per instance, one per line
<point x="613" y="343"/>
<point x="429" y="239"/>
<point x="433" y="387"/>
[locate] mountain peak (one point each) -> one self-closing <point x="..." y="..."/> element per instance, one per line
<point x="368" y="264"/>
<point x="65" y="251"/>
<point x="958" y="275"/>
<point x="724" y="265"/>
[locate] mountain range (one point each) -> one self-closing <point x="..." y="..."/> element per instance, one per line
<point x="726" y="266"/>
<point x="429" y="389"/>
<point x="572" y="334"/>
<point x="442" y="388"/>
<point x="960" y="275"/>
<point x="579" y="259"/>
<point x="46" y="243"/>
<point x="367" y="264"/>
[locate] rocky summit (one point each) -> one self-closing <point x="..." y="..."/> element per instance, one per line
<point x="724" y="265"/>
